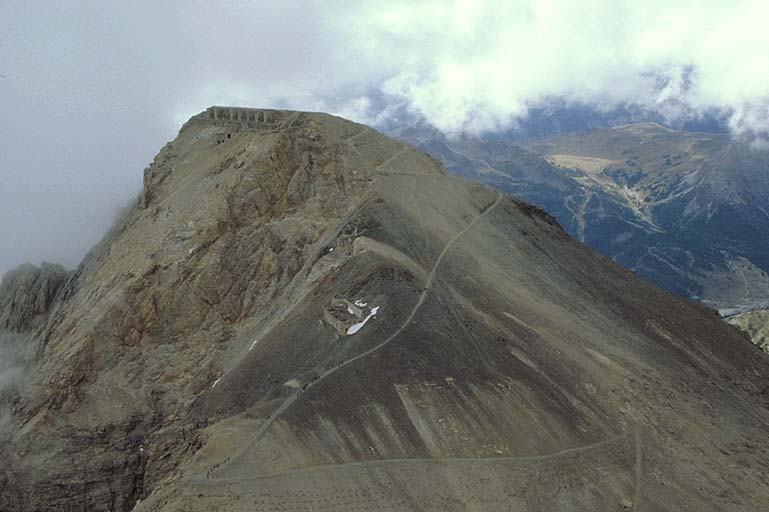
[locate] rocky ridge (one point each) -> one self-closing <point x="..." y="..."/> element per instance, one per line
<point x="28" y="293"/>
<point x="202" y="356"/>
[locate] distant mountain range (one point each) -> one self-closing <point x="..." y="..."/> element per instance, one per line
<point x="688" y="211"/>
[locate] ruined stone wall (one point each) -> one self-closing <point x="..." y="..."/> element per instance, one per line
<point x="341" y="314"/>
<point x="243" y="117"/>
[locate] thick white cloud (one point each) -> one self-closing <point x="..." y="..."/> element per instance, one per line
<point x="479" y="65"/>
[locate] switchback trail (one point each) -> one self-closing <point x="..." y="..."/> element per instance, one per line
<point x="385" y="462"/>
<point x="638" y="468"/>
<point x="430" y="280"/>
<point x="359" y="134"/>
<point x="392" y="158"/>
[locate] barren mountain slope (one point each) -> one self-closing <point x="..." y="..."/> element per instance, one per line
<point x="304" y="314"/>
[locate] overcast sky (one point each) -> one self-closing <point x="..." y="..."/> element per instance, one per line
<point x="91" y="90"/>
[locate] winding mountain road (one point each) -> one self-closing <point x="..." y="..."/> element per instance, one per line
<point x="293" y="397"/>
<point x="210" y="476"/>
<point x="635" y="435"/>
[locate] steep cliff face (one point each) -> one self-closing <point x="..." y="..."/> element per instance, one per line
<point x="302" y="311"/>
<point x="219" y="231"/>
<point x="28" y="293"/>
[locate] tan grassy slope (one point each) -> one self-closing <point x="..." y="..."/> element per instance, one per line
<point x="201" y="358"/>
<point x="756" y="324"/>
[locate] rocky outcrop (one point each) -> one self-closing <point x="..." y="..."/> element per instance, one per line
<point x="755" y="324"/>
<point x="28" y="293"/>
<point x="218" y="236"/>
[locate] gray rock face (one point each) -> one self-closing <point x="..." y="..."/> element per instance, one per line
<point x="28" y="293"/>
<point x="203" y="356"/>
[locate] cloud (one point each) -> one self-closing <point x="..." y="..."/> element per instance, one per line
<point x="480" y="65"/>
<point x="15" y="355"/>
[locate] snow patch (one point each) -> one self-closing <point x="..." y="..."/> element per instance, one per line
<point x="216" y="382"/>
<point x="293" y="384"/>
<point x="360" y="303"/>
<point x="357" y="327"/>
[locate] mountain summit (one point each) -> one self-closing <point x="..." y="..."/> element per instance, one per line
<point x="301" y="313"/>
